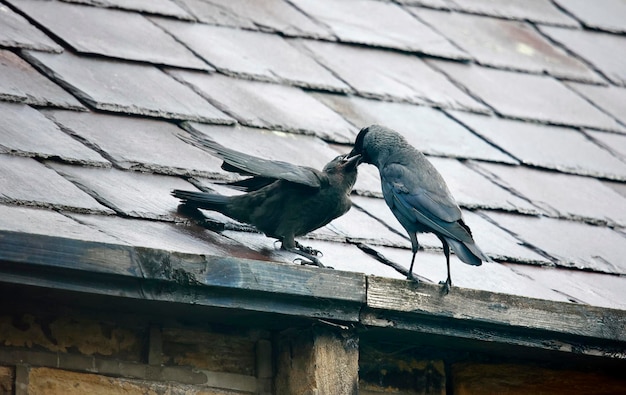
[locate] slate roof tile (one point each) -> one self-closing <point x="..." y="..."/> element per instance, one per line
<point x="165" y="236"/>
<point x="348" y="257"/>
<point x="597" y="289"/>
<point x="25" y="181"/>
<point x="21" y="82"/>
<point x="390" y="75"/>
<point x="608" y="15"/>
<point x="215" y="14"/>
<point x="49" y="223"/>
<point x="17" y="32"/>
<point x="377" y="208"/>
<point x="377" y="23"/>
<point x="527" y="96"/>
<point x="160" y="7"/>
<point x="613" y="142"/>
<point x="491" y="276"/>
<point x="129" y="193"/>
<point x="606" y="52"/>
<point x="570" y="243"/>
<point x="25" y="131"/>
<point x="358" y="226"/>
<point x="499" y="244"/>
<point x="137" y="143"/>
<point x="513" y="45"/>
<point x="269" y="144"/>
<point x="539" y="11"/>
<point x="610" y="99"/>
<point x="109" y="32"/>
<point x="271" y="106"/>
<point x="277" y="16"/>
<point x="429" y="129"/>
<point x="255" y="55"/>
<point x="473" y="190"/>
<point x="561" y="195"/>
<point x="126" y="87"/>
<point x="534" y="144"/>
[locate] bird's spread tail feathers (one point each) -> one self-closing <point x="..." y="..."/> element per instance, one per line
<point x="467" y="252"/>
<point x="207" y="201"/>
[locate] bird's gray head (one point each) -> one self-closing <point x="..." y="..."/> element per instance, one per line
<point x="375" y="143"/>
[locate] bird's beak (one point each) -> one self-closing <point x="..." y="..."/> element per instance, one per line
<point x="352" y="160"/>
<point x="352" y="154"/>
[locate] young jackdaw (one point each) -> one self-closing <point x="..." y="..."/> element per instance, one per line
<point x="417" y="194"/>
<point x="284" y="200"/>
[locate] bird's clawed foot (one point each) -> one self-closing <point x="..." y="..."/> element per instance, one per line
<point x="310" y="255"/>
<point x="446" y="286"/>
<point x="309" y="250"/>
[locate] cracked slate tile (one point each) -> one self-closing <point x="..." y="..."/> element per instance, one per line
<point x="348" y="257"/>
<point x="388" y="75"/>
<point x="215" y="14"/>
<point x="512" y="45"/>
<point x="534" y="144"/>
<point x="490" y="276"/>
<point x="381" y="24"/>
<point x="572" y="244"/>
<point x="128" y="88"/>
<point x="596" y="289"/>
<point x="27" y="132"/>
<point x="539" y="11"/>
<point x="158" y="7"/>
<point x="25" y="181"/>
<point x="17" y="32"/>
<point x="137" y="143"/>
<point x="378" y="209"/>
<point x="604" y="51"/>
<point x="165" y="235"/>
<point x="561" y="195"/>
<point x="20" y="82"/>
<point x="357" y="226"/>
<point x="278" y="16"/>
<point x="269" y="144"/>
<point x="49" y="223"/>
<point x="250" y="54"/>
<point x="428" y="129"/>
<point x="473" y="190"/>
<point x="615" y="143"/>
<point x="271" y="106"/>
<point x="129" y="193"/>
<point x="608" y="15"/>
<point x="527" y="96"/>
<point x="498" y="243"/>
<point x="109" y="32"/>
<point x="610" y="99"/>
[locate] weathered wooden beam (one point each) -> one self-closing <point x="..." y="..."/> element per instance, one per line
<point x="489" y="317"/>
<point x="156" y="275"/>
<point x="317" y="361"/>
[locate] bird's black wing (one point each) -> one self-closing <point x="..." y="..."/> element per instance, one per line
<point x="252" y="165"/>
<point x="430" y="205"/>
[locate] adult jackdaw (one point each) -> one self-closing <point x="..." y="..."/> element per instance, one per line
<point x="284" y="200"/>
<point x="417" y="194"/>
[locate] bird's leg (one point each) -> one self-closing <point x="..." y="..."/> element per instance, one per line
<point x="414" y="247"/>
<point x="446" y="251"/>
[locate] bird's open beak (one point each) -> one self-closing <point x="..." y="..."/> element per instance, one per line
<point x="352" y="154"/>
<point x="352" y="160"/>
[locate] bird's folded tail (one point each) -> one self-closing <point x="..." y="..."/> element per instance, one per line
<point x="468" y="252"/>
<point x="207" y="201"/>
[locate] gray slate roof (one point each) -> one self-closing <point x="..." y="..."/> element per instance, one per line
<point x="519" y="104"/>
